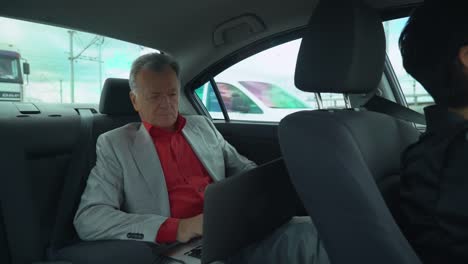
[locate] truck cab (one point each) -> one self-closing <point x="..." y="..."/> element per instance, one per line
<point x="11" y="74"/>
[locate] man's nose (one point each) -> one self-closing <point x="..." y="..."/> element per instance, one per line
<point x="165" y="100"/>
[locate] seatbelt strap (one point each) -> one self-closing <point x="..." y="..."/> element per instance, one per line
<point x="382" y="105"/>
<point x="80" y="164"/>
<point x="4" y="248"/>
<point x="20" y="215"/>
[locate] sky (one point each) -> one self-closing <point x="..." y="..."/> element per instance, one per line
<point x="47" y="49"/>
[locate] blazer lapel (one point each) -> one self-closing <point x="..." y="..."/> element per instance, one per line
<point x="147" y="160"/>
<point x="194" y="137"/>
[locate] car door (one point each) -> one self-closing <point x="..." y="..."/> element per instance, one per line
<point x="247" y="99"/>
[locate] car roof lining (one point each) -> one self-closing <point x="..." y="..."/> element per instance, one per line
<point x="169" y="27"/>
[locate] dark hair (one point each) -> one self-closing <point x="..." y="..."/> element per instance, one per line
<point x="430" y="43"/>
<point x="153" y="61"/>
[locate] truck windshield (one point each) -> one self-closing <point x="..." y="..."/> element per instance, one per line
<point x="9" y="69"/>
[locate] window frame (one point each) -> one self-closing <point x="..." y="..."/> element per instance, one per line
<point x="208" y="74"/>
<point x="230" y="60"/>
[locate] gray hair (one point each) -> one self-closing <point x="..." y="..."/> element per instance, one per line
<point x="152" y="61"/>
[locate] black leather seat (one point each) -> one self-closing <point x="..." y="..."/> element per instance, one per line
<point x="34" y="161"/>
<point x="44" y="170"/>
<point x="116" y="110"/>
<point x="345" y="163"/>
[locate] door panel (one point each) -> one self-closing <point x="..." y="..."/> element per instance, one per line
<point x="256" y="141"/>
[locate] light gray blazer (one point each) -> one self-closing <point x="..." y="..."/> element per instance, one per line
<point x="126" y="195"/>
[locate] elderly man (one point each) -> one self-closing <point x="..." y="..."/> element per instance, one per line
<point x="149" y="180"/>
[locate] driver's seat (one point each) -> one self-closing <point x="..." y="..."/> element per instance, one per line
<point x="342" y="161"/>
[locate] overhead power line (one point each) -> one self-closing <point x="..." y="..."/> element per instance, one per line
<point x="97" y="40"/>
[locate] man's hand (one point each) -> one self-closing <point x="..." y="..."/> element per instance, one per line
<point x="190" y="228"/>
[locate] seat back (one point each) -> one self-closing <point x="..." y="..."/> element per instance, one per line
<point x="116" y="111"/>
<point x="337" y="163"/>
<point x="38" y="159"/>
<point x="34" y="162"/>
<point x="342" y="161"/>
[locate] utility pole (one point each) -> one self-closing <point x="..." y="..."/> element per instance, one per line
<point x="61" y="92"/>
<point x="414" y="93"/>
<point x="100" y="67"/>
<point x="97" y="40"/>
<point x="100" y="62"/>
<point x="72" y="68"/>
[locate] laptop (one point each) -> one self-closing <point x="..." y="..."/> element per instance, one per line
<point x="240" y="211"/>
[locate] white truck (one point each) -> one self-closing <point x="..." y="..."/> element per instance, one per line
<point x="11" y="73"/>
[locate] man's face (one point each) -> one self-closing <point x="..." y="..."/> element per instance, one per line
<point x="464" y="59"/>
<point x="156" y="98"/>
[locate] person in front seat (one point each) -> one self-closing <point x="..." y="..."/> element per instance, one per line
<point x="149" y="180"/>
<point x="434" y="181"/>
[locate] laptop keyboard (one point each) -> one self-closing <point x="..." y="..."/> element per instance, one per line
<point x="195" y="252"/>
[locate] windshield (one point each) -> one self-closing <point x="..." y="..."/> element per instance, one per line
<point x="9" y="69"/>
<point x="272" y="95"/>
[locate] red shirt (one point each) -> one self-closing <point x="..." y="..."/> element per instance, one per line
<point x="186" y="177"/>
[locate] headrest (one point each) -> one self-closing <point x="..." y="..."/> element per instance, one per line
<point x="343" y="49"/>
<point x="115" y="99"/>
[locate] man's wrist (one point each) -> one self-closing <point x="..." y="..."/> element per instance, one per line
<point x="167" y="232"/>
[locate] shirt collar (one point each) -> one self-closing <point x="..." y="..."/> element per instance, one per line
<point x="440" y="119"/>
<point x="155" y="131"/>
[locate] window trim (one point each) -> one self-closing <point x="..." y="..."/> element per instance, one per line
<point x="220" y="100"/>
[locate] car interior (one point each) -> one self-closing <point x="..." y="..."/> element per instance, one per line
<point x="344" y="163"/>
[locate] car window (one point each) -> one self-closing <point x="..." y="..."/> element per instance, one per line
<point x="414" y="93"/>
<point x="65" y="66"/>
<point x="237" y="101"/>
<point x="261" y="87"/>
<point x="207" y="94"/>
<point x="272" y="95"/>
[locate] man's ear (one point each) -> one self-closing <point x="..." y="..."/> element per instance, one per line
<point x="133" y="98"/>
<point x="463" y="56"/>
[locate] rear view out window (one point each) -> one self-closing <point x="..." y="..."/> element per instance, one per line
<point x="64" y="66"/>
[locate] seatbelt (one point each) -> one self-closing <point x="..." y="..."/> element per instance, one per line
<point x="4" y="248"/>
<point x="74" y="183"/>
<point x="20" y="216"/>
<point x="382" y="105"/>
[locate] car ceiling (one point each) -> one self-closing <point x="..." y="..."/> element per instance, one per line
<point x="181" y="28"/>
